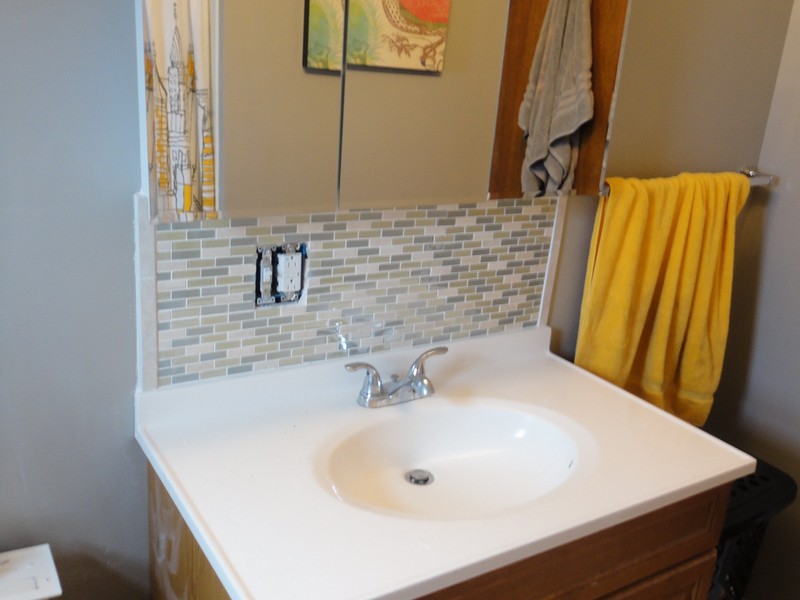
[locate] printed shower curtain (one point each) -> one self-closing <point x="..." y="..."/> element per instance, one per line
<point x="179" y="110"/>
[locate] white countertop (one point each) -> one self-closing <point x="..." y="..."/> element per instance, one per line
<point x="241" y="458"/>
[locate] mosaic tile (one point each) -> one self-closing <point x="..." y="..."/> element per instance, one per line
<point x="392" y="278"/>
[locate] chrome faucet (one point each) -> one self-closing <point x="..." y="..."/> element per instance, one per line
<point x="375" y="393"/>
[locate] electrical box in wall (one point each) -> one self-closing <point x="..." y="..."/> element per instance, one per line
<point x="280" y="273"/>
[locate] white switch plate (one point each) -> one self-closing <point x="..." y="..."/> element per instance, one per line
<point x="28" y="574"/>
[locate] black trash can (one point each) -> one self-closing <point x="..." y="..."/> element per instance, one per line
<point x="754" y="500"/>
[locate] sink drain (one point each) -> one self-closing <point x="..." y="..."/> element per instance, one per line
<point x="419" y="477"/>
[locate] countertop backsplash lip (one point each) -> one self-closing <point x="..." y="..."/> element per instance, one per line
<point x="391" y="278"/>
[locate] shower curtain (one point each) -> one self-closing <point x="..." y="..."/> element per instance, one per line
<point x="181" y="158"/>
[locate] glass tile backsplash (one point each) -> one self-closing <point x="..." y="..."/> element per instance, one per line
<point x="377" y="279"/>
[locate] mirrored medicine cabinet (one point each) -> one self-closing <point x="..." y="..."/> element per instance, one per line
<point x="407" y="137"/>
<point x="290" y="140"/>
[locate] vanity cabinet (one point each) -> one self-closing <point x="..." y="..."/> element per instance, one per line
<point x="667" y="553"/>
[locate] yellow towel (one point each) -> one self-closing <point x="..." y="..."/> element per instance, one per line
<point x="656" y="301"/>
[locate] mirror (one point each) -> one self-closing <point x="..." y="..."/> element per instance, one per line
<point x="278" y="139"/>
<point x="703" y="105"/>
<point x="408" y="137"/>
<point x="411" y="138"/>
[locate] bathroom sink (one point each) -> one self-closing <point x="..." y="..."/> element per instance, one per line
<point x="443" y="460"/>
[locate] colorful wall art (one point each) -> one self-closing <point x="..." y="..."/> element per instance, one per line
<point x="324" y="37"/>
<point x="385" y="34"/>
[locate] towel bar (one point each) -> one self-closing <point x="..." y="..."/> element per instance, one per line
<point x="757" y="178"/>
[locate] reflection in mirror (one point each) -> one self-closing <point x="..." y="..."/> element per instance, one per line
<point x="701" y="106"/>
<point x="409" y="137"/>
<point x="424" y="139"/>
<point x="525" y="21"/>
<point x="279" y="125"/>
<point x="179" y="113"/>
<point x="323" y="42"/>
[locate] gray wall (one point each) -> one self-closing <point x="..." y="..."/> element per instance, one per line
<point x="70" y="473"/>
<point x="758" y="403"/>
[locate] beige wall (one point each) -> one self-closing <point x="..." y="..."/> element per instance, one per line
<point x="695" y="85"/>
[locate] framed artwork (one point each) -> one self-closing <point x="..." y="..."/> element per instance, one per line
<point x="408" y="35"/>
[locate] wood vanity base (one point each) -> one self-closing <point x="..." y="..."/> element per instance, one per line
<point x="178" y="567"/>
<point x="668" y="553"/>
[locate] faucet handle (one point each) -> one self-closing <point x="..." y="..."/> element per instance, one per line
<point x="417" y="368"/>
<point x="373" y="386"/>
<point x="416" y="372"/>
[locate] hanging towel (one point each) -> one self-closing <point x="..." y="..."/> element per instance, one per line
<point x="656" y="301"/>
<point x="558" y="99"/>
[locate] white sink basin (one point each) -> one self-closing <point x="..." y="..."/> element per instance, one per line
<point x="505" y="422"/>
<point x="468" y="461"/>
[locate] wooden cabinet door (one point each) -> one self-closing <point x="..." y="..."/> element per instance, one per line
<point x="178" y="568"/>
<point x="688" y="581"/>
